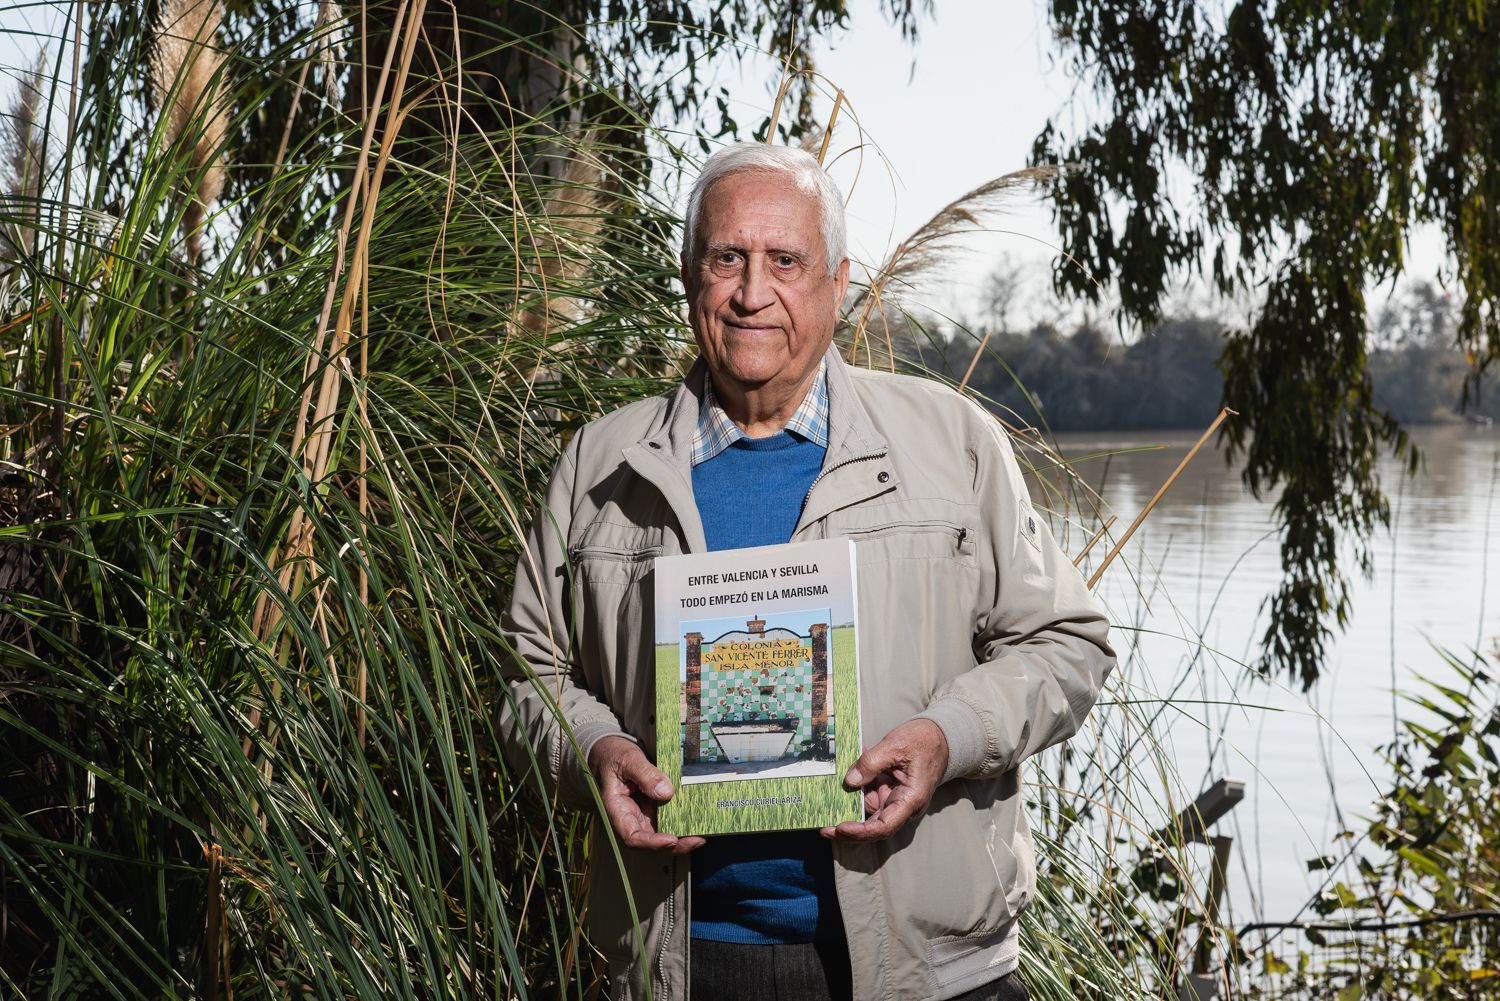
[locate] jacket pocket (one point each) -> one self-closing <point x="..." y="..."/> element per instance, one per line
<point x="600" y="563"/>
<point x="956" y="878"/>
<point x="612" y="588"/>
<point x="914" y="540"/>
<point x="910" y="529"/>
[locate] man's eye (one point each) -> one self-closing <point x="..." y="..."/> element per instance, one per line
<point x="786" y="261"/>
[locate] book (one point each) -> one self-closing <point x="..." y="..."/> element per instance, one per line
<point x="757" y="688"/>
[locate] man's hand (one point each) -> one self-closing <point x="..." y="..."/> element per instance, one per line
<point x="631" y="787"/>
<point x="898" y="776"/>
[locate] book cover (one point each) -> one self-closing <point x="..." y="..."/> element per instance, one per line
<point x="757" y="688"/>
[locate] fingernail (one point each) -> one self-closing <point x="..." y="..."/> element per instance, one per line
<point x="854" y="778"/>
<point x="662" y="789"/>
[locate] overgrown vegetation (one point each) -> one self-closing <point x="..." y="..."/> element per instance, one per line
<point x="1412" y="906"/>
<point x="267" y="450"/>
<point x="1065" y="374"/>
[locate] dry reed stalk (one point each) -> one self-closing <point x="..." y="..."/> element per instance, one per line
<point x="356" y="295"/>
<point x="216" y="929"/>
<point x="787" y="76"/>
<point x="186" y="77"/>
<point x="978" y="353"/>
<point x="833" y="117"/>
<point x="266" y="616"/>
<point x="932" y="242"/>
<point x="1093" y="541"/>
<point x="1161" y="491"/>
<point x="312" y="437"/>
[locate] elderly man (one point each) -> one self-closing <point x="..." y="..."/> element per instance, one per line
<point x="979" y="644"/>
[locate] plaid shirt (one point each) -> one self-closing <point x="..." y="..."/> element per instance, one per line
<point x="716" y="431"/>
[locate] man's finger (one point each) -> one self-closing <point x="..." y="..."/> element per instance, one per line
<point x="899" y="807"/>
<point x="633" y="826"/>
<point x="688" y="844"/>
<point x="647" y="778"/>
<point x="871" y="763"/>
<point x="876" y="829"/>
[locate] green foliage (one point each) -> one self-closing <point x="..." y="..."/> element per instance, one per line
<point x="1431" y="852"/>
<point x="188" y="675"/>
<point x="257" y="514"/>
<point x="1082" y="381"/>
<point x="1312" y="138"/>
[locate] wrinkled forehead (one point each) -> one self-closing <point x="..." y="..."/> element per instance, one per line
<point x="780" y="179"/>
<point x="760" y="199"/>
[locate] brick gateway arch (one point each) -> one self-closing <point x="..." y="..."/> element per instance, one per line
<point x="692" y="749"/>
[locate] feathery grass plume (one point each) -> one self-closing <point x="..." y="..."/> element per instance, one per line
<point x="25" y="498"/>
<point x="23" y="160"/>
<point x="566" y="233"/>
<point x="932" y="243"/>
<point x="185" y="82"/>
<point x="330" y="14"/>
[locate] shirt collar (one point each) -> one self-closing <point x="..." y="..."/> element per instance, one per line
<point x="716" y="431"/>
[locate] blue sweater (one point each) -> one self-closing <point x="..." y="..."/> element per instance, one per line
<point x="775" y="888"/>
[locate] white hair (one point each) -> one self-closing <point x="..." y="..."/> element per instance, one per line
<point x="755" y="157"/>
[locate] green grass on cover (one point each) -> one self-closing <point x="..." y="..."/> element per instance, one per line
<point x="780" y="803"/>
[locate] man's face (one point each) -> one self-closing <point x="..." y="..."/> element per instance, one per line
<point x="760" y="298"/>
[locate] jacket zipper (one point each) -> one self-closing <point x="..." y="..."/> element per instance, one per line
<point x="853" y="458"/>
<point x="914" y="528"/>
<point x="614" y="555"/>
<point x="666" y="936"/>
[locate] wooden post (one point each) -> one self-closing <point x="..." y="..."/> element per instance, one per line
<point x="819" y="632"/>
<point x="691" y="751"/>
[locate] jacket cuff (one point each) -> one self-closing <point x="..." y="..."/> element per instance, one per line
<point x="575" y="767"/>
<point x="968" y="737"/>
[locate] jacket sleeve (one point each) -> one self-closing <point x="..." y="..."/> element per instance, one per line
<point x="1041" y="638"/>
<point x="548" y="715"/>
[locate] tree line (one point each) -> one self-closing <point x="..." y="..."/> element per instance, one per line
<point x="1084" y="376"/>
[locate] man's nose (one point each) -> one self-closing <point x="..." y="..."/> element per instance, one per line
<point x="754" y="291"/>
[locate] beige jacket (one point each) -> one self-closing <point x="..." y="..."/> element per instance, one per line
<point x="969" y="615"/>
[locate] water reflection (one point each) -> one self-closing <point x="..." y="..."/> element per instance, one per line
<point x="1188" y="606"/>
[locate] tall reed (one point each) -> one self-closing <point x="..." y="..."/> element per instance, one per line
<point x="249" y="665"/>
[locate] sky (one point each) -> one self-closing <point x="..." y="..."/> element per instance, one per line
<point x="924" y="123"/>
<point x="960" y="106"/>
<point x="936" y="119"/>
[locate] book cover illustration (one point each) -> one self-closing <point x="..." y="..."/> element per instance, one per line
<point x="757" y="688"/>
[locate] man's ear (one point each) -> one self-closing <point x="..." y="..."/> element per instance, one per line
<point x="841" y="279"/>
<point x="686" y="274"/>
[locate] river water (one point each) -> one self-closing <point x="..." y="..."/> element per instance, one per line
<point x="1187" y="604"/>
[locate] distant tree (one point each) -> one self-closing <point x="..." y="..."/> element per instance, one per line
<point x="1417" y="373"/>
<point x="1092" y="343"/>
<point x="1083" y="382"/>
<point x="1313" y="137"/>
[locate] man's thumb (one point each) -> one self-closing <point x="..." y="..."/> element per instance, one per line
<point x="648" y="778"/>
<point x="870" y="764"/>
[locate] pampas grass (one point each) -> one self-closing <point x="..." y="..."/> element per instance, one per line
<point x="186" y="76"/>
<point x="23" y="162"/>
<point x="935" y="242"/>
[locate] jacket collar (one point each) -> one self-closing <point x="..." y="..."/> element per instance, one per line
<point x="851" y="433"/>
<point x="665" y="456"/>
